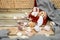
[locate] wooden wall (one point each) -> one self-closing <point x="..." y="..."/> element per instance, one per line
<point x="56" y="3"/>
<point x="16" y="3"/>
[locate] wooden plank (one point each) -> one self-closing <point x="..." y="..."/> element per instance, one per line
<point x="12" y="30"/>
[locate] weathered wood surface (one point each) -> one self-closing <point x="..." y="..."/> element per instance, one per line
<point x="16" y="3"/>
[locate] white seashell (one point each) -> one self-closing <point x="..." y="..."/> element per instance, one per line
<point x="47" y="35"/>
<point x="52" y="23"/>
<point x="14" y="17"/>
<point x="22" y="16"/>
<point x="40" y="21"/>
<point x="47" y="27"/>
<point x="24" y="37"/>
<point x="25" y="23"/>
<point x="26" y="13"/>
<point x="37" y="28"/>
<point x="28" y="29"/>
<point x="19" y="34"/>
